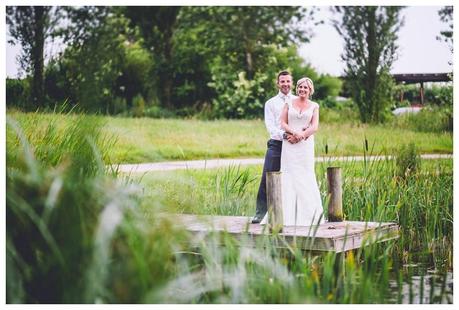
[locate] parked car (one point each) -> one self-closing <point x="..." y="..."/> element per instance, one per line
<point x="404" y="110"/>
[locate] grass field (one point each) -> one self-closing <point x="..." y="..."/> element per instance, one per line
<point x="152" y="140"/>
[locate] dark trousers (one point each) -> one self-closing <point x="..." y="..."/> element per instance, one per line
<point x="272" y="163"/>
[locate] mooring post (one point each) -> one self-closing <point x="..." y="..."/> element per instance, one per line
<point x="274" y="200"/>
<point x="335" y="192"/>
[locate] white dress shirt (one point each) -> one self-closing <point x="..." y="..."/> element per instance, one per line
<point x="273" y="110"/>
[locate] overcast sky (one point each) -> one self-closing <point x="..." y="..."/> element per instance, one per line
<point x="419" y="50"/>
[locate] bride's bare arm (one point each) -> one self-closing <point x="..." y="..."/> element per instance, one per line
<point x="312" y="128"/>
<point x="284" y="119"/>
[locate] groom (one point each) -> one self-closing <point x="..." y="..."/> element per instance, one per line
<point x="273" y="109"/>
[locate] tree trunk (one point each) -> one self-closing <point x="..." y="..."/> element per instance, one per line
<point x="37" y="91"/>
<point x="372" y="66"/>
<point x="248" y="57"/>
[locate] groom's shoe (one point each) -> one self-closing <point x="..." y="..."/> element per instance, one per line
<point x="256" y="219"/>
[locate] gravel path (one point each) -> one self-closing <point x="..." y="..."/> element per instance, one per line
<point x="216" y="163"/>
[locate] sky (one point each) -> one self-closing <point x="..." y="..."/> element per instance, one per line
<point x="419" y="50"/>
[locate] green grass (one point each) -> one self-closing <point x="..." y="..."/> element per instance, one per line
<point x="78" y="233"/>
<point x="199" y="191"/>
<point x="372" y="191"/>
<point x="421" y="204"/>
<point x="153" y="140"/>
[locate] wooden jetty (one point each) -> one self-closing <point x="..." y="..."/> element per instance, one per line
<point x="331" y="236"/>
<point x="336" y="235"/>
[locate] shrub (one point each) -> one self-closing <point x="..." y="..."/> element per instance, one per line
<point x="407" y="161"/>
<point x="17" y="93"/>
<point x="119" y="105"/>
<point x="138" y="106"/>
<point x="240" y="97"/>
<point x="429" y="119"/>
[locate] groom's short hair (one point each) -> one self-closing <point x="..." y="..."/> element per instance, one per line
<point x="285" y="72"/>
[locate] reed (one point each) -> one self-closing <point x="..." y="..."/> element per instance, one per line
<point x="77" y="233"/>
<point x="421" y="203"/>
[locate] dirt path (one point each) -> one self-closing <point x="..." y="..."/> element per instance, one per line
<point x="216" y="163"/>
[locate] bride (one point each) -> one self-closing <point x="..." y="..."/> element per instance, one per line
<point x="301" y="203"/>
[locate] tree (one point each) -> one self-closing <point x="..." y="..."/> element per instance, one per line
<point x="243" y="47"/>
<point x="93" y="59"/>
<point x="157" y="26"/>
<point x="446" y="16"/>
<point x="369" y="34"/>
<point x="30" y="26"/>
<point x="242" y="31"/>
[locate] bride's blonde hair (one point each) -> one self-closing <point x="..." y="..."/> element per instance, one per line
<point x="309" y="82"/>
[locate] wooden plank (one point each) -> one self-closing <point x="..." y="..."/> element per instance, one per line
<point x="334" y="236"/>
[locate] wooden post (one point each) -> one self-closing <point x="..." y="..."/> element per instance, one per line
<point x="422" y="93"/>
<point x="274" y="200"/>
<point x="335" y="192"/>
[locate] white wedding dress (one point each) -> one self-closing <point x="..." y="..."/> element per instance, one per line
<point x="301" y="203"/>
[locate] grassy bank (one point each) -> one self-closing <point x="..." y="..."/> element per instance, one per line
<point x="77" y="233"/>
<point x="152" y="140"/>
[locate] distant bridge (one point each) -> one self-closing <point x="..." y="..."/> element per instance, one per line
<point x="414" y="78"/>
<point x="411" y="78"/>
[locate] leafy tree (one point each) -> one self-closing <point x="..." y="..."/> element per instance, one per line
<point x="241" y="32"/>
<point x="446" y="16"/>
<point x="370" y="34"/>
<point x="94" y="57"/>
<point x="157" y="26"/>
<point x="239" y="45"/>
<point x="30" y="26"/>
<point x="135" y="70"/>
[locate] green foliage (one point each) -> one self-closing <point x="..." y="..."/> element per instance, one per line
<point x="55" y="192"/>
<point x="446" y="16"/>
<point x="138" y="106"/>
<point x="57" y="143"/>
<point x="336" y="113"/>
<point x="433" y="94"/>
<point x="370" y="35"/>
<point x="238" y="97"/>
<point x="30" y="26"/>
<point x="157" y="25"/>
<point x="93" y="61"/>
<point x="437" y="113"/>
<point x="94" y="239"/>
<point x="407" y="161"/>
<point x="119" y="105"/>
<point x="201" y="62"/>
<point x="327" y="86"/>
<point x="17" y="93"/>
<point x="242" y="51"/>
<point x="429" y="119"/>
<point x="421" y="205"/>
<point x="134" y="79"/>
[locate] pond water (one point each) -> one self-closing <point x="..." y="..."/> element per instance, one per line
<point x="432" y="287"/>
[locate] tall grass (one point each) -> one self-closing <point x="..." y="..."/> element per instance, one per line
<point x="429" y="119"/>
<point x="420" y="202"/>
<point x="77" y="234"/>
